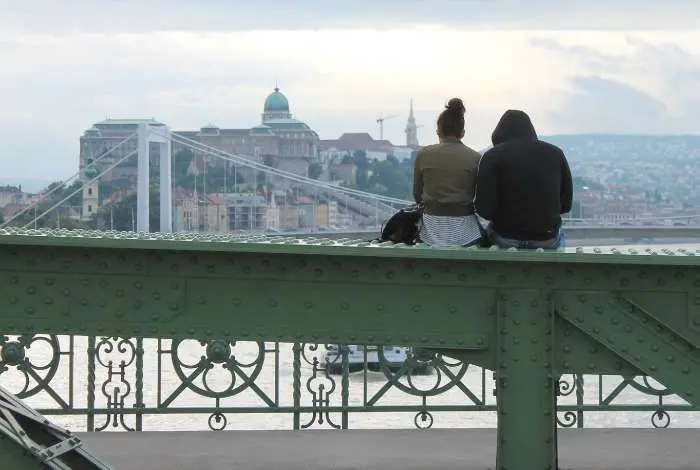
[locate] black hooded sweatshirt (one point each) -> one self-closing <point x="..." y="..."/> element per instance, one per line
<point x="523" y="184"/>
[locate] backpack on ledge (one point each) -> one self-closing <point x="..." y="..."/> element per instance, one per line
<point x="403" y="227"/>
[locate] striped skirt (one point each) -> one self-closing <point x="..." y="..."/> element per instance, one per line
<point x="450" y="231"/>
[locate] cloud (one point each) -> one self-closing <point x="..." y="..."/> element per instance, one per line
<point x="640" y="87"/>
<point x="598" y="105"/>
<point x="61" y="16"/>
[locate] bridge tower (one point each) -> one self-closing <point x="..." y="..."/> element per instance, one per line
<point x="160" y="134"/>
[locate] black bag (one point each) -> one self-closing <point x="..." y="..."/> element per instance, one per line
<point x="404" y="226"/>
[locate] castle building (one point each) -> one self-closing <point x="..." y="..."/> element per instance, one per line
<point x="280" y="140"/>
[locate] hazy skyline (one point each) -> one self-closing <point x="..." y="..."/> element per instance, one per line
<point x="207" y="62"/>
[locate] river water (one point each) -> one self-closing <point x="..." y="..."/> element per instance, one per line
<point x="276" y="372"/>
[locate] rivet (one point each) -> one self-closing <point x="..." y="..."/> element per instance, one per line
<point x="308" y="305"/>
<point x="29" y="311"/>
<point x="344" y="305"/>
<point x="156" y="296"/>
<point x="416" y="308"/>
<point x="174" y="307"/>
<point x="137" y="304"/>
<point x="670" y="358"/>
<point x="138" y="285"/>
<point x="48" y="301"/>
<point x="582" y="298"/>
<point x="272" y="303"/>
<point x="599" y="310"/>
<point x="380" y="307"/>
<point x="628" y="329"/>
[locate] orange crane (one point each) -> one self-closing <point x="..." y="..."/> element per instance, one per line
<point x="380" y="121"/>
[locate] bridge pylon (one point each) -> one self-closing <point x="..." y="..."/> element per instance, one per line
<point x="154" y="133"/>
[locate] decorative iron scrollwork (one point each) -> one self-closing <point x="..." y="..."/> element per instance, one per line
<point x="321" y="385"/>
<point x="116" y="355"/>
<point x="34" y="360"/>
<point x="218" y="372"/>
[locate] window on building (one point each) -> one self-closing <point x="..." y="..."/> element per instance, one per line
<point x="89" y="191"/>
<point x="89" y="208"/>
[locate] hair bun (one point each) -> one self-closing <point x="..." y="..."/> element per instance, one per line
<point x="456" y="106"/>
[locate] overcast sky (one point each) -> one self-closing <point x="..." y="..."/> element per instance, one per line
<point x="575" y="66"/>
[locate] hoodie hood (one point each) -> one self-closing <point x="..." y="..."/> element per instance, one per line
<point x="514" y="124"/>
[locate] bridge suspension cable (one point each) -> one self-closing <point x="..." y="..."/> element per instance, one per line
<point x="238" y="159"/>
<point x="100" y="175"/>
<point x="64" y="182"/>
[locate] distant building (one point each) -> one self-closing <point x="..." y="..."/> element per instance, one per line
<point x="412" y="130"/>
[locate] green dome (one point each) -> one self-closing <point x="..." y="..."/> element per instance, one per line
<point x="276" y="101"/>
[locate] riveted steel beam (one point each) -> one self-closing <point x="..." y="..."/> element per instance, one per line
<point x="639" y="338"/>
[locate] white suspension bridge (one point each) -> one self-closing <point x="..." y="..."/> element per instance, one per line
<point x="369" y="210"/>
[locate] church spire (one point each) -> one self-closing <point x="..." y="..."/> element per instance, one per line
<point x="411" y="130"/>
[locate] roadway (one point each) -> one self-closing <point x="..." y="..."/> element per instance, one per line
<point x="435" y="449"/>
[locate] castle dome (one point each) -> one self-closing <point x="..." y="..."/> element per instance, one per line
<point x="276" y="102"/>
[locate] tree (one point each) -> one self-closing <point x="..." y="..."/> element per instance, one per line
<point x="315" y="170"/>
<point x="122" y="215"/>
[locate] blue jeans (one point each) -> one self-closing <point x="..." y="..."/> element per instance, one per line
<point x="556" y="243"/>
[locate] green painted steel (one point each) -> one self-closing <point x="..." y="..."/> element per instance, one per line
<point x="529" y="316"/>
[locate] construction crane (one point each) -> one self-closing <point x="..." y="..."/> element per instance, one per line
<point x="380" y="121"/>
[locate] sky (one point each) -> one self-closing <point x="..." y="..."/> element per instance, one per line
<point x="574" y="66"/>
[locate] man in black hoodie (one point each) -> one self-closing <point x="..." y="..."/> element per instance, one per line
<point x="523" y="186"/>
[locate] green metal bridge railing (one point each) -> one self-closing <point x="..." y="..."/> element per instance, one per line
<point x="531" y="317"/>
<point x="107" y="383"/>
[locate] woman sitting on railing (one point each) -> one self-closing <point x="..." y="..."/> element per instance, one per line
<point x="444" y="181"/>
